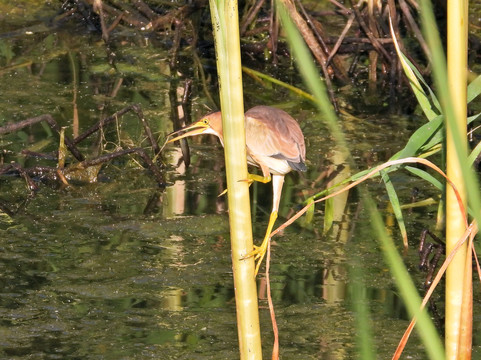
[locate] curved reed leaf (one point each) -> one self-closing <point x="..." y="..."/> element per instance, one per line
<point x="422" y="138"/>
<point x="473" y="118"/>
<point x="328" y="214"/>
<point x="426" y="176"/>
<point x="414" y="78"/>
<point x="474" y="154"/>
<point x="474" y="89"/>
<point x="396" y="206"/>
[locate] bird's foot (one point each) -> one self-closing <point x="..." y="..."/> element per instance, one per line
<point x="258" y="253"/>
<point x="250" y="179"/>
<point x="253" y="177"/>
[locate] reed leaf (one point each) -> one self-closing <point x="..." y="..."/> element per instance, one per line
<point x="408" y="291"/>
<point x="426" y="176"/>
<point x="328" y="214"/>
<point x="396" y="206"/>
<point x="414" y="78"/>
<point x="295" y="90"/>
<point x="474" y="154"/>
<point x="423" y="139"/>
<point x="474" y="89"/>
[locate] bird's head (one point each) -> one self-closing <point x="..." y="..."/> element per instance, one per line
<point x="209" y="124"/>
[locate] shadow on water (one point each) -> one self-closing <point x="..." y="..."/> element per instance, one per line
<point x="120" y="269"/>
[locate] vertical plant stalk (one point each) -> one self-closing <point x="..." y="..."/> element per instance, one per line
<point x="455" y="223"/>
<point x="225" y="22"/>
<point x="457" y="13"/>
<point x="75" y="119"/>
<point x="373" y="54"/>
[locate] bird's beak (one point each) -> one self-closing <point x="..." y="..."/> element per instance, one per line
<point x="191" y="130"/>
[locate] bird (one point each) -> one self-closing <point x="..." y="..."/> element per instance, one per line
<point x="274" y="143"/>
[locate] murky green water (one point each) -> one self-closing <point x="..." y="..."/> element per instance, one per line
<point x="119" y="269"/>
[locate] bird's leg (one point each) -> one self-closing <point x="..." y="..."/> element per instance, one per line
<point x="260" y="251"/>
<point x="264" y="178"/>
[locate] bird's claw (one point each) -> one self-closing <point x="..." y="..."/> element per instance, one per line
<point x="258" y="253"/>
<point x="254" y="253"/>
<point x="222" y="193"/>
<point x="248" y="181"/>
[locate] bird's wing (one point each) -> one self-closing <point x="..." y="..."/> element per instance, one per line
<point x="273" y="132"/>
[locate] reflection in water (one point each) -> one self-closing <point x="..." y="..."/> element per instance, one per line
<point x="175" y="194"/>
<point x="335" y="289"/>
<point x="85" y="273"/>
<point x="95" y="271"/>
<point x="173" y="300"/>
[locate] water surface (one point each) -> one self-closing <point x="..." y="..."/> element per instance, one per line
<point x="120" y="269"/>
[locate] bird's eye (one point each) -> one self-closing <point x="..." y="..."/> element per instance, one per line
<point x="206" y="122"/>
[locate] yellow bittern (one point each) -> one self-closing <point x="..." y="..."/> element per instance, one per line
<point x="275" y="144"/>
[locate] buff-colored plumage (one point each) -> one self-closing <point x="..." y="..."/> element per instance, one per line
<point x="274" y="143"/>
<point x="274" y="139"/>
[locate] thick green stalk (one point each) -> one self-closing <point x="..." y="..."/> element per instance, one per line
<point x="455" y="223"/>
<point x="226" y="32"/>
